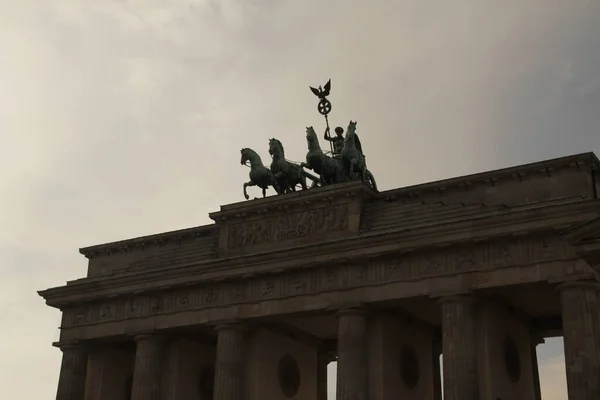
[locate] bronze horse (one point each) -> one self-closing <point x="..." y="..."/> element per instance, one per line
<point x="287" y="175"/>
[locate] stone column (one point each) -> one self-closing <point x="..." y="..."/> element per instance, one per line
<point x="229" y="371"/>
<point x="147" y="368"/>
<point x="581" y="332"/>
<point x="461" y="381"/>
<point x="323" y="360"/>
<point x="352" y="371"/>
<point x="71" y="381"/>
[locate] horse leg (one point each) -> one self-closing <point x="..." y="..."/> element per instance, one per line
<point x="264" y="190"/>
<point x="250" y="183"/>
<point x="353" y="165"/>
<point x="363" y="174"/>
<point x="303" y="182"/>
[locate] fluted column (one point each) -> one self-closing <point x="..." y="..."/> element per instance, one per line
<point x="461" y="381"/>
<point x="71" y="381"/>
<point x="147" y="368"/>
<point x="581" y="332"/>
<point x="352" y="372"/>
<point x="229" y="371"/>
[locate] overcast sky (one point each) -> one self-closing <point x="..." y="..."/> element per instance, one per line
<point x="125" y="118"/>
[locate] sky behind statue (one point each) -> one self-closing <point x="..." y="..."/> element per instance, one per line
<point x="125" y="118"/>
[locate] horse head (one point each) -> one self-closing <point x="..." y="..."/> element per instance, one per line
<point x="276" y="147"/>
<point x="244" y="159"/>
<point x="351" y="129"/>
<point x="250" y="155"/>
<point x="311" y="138"/>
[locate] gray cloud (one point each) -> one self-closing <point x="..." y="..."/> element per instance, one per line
<point x="123" y="118"/>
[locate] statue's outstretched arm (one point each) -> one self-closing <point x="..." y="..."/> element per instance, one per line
<point x="327" y="136"/>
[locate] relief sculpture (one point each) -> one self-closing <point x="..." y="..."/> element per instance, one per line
<point x="308" y="282"/>
<point x="289" y="226"/>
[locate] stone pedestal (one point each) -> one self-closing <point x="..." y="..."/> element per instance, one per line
<point x="229" y="371"/>
<point x="352" y="371"/>
<point x="459" y="349"/>
<point x="147" y="368"/>
<point x="581" y="332"/>
<point x="71" y="383"/>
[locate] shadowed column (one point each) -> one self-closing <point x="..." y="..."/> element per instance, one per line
<point x="437" y="374"/>
<point x="323" y="360"/>
<point x="581" y="332"/>
<point x="352" y="372"/>
<point x="229" y="371"/>
<point x="147" y="368"/>
<point x="458" y="343"/>
<point x="71" y="383"/>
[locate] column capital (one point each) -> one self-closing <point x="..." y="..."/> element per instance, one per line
<point x="232" y="325"/>
<point x="579" y="284"/>
<point x="144" y="337"/>
<point x="72" y="346"/>
<point x="352" y="310"/>
<point x="458" y="298"/>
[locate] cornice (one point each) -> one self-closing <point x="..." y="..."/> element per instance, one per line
<point x="127" y="245"/>
<point x="514" y="221"/>
<point x="583" y="231"/>
<point x="587" y="161"/>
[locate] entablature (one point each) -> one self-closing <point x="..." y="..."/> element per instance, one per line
<point x="524" y="222"/>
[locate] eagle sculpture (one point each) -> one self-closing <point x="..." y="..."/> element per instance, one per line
<point x="322" y="92"/>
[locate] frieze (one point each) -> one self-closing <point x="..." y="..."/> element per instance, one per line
<point x="288" y="226"/>
<point x="328" y="278"/>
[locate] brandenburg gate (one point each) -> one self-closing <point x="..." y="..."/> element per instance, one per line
<point x="479" y="268"/>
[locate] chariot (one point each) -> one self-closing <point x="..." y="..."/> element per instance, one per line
<point x="321" y="168"/>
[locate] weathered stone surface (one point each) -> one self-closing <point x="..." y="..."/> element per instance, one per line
<point x="109" y="373"/>
<point x="229" y="370"/>
<point x="461" y="379"/>
<point x="352" y="371"/>
<point x="311" y="222"/>
<point x="166" y="250"/>
<point x="417" y="265"/>
<point x="581" y="327"/>
<point x="71" y="381"/>
<point x="148" y="366"/>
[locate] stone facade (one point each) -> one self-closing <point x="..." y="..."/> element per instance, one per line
<point x="257" y="304"/>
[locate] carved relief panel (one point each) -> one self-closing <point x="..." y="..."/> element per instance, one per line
<point x="288" y="226"/>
